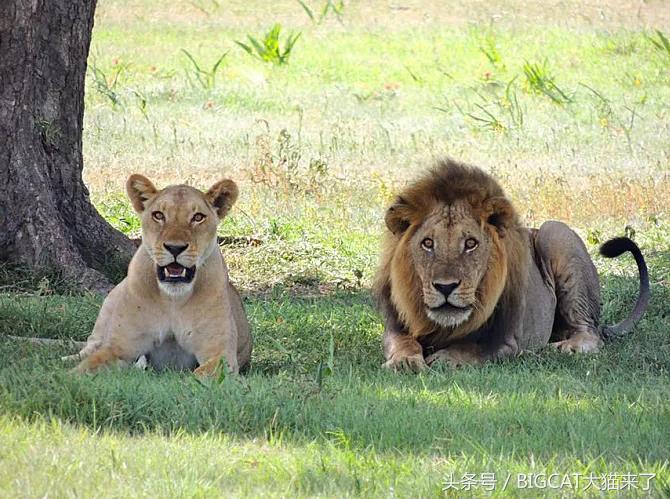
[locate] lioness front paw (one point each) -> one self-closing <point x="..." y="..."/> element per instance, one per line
<point x="204" y="371"/>
<point x="85" y="367"/>
<point x="414" y="363"/>
<point x="213" y="367"/>
<point x="79" y="370"/>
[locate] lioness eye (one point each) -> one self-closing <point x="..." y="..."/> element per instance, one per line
<point x="158" y="216"/>
<point x="427" y="244"/>
<point x="470" y="244"/>
<point x="198" y="217"/>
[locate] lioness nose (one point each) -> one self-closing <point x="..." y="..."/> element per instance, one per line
<point x="175" y="249"/>
<point x="446" y="289"/>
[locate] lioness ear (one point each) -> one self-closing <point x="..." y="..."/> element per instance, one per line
<point x="140" y="190"/>
<point x="500" y="213"/>
<point x="397" y="217"/>
<point x="223" y="195"/>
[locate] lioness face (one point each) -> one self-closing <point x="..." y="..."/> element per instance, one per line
<point x="450" y="252"/>
<point x="179" y="227"/>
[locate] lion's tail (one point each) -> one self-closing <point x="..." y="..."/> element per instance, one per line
<point x="616" y="247"/>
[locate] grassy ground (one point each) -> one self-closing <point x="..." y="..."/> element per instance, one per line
<point x="318" y="147"/>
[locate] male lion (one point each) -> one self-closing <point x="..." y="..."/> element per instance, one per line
<point x="462" y="281"/>
<point x="177" y="306"/>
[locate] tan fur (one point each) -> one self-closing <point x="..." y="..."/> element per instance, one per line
<point x="462" y="281"/>
<point x="204" y="318"/>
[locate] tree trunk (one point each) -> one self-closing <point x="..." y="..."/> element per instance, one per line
<point x="47" y="221"/>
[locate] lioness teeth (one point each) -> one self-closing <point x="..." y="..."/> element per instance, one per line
<point x="174" y="272"/>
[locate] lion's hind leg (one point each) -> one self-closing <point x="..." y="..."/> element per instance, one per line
<point x="579" y="342"/>
<point x="565" y="259"/>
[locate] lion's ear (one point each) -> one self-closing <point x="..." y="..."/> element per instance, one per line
<point x="397" y="217"/>
<point x="223" y="195"/>
<point x="500" y="213"/>
<point x="140" y="190"/>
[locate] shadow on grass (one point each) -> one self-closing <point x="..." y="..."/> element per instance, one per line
<point x="549" y="405"/>
<point x="579" y="408"/>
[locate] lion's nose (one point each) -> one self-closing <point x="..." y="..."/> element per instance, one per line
<point x="175" y="249"/>
<point x="446" y="288"/>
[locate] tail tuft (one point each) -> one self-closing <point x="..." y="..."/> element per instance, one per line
<point x="617" y="246"/>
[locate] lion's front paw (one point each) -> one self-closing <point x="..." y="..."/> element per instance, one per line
<point x="414" y="363"/>
<point x="455" y="357"/>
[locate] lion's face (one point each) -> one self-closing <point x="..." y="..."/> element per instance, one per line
<point x="450" y="252"/>
<point x="446" y="257"/>
<point x="179" y="227"/>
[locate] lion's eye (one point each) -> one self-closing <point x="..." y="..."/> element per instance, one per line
<point x="197" y="218"/>
<point x="427" y="244"/>
<point x="158" y="216"/>
<point x="470" y="244"/>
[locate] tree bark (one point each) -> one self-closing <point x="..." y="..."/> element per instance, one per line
<point x="47" y="221"/>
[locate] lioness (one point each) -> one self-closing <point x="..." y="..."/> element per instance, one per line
<point x="177" y="306"/>
<point x="462" y="281"/>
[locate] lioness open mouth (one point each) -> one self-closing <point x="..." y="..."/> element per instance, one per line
<point x="175" y="273"/>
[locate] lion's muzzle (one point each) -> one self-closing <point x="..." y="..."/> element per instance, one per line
<point x="445" y="303"/>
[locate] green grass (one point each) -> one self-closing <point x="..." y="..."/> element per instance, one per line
<point x="281" y="431"/>
<point x="277" y="432"/>
<point x="319" y="146"/>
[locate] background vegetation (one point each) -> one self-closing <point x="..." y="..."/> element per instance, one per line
<point x="321" y="110"/>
